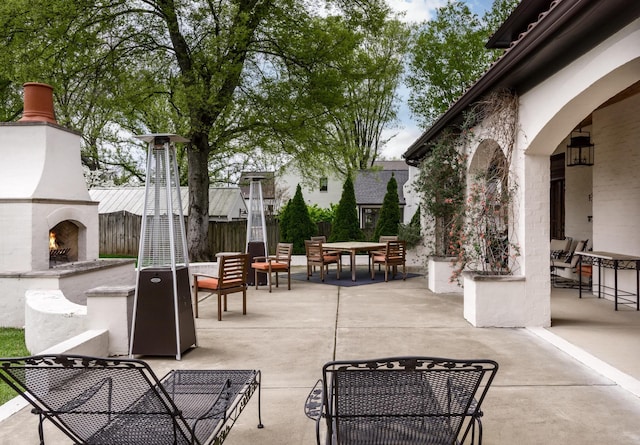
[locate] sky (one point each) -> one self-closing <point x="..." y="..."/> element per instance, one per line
<point x="416" y="11"/>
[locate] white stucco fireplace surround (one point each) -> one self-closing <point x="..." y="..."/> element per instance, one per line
<point x="42" y="188"/>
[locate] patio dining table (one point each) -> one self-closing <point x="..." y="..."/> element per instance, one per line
<point x="352" y="247"/>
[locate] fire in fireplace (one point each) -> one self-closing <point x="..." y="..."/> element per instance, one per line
<point x="63" y="243"/>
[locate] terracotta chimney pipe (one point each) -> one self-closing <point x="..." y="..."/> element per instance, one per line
<point x="38" y="103"/>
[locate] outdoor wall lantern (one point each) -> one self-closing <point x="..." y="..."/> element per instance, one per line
<point x="579" y="149"/>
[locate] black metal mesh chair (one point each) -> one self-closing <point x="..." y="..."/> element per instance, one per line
<point x="401" y="400"/>
<point x="121" y="401"/>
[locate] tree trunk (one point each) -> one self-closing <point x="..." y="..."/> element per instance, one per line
<point x="198" y="222"/>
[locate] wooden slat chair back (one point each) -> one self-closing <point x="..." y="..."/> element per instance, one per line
<point x="280" y="262"/>
<point x="394" y="255"/>
<point x="381" y="239"/>
<point x="232" y="277"/>
<point x="317" y="256"/>
<point x="121" y="401"/>
<point x="401" y="400"/>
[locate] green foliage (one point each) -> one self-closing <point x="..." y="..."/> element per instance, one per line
<point x="318" y="214"/>
<point x="346" y="226"/>
<point x="412" y="232"/>
<point x="390" y="211"/>
<point x="285" y="221"/>
<point x="248" y="82"/>
<point x="11" y="345"/>
<point x="482" y="233"/>
<point x="448" y="55"/>
<point x="296" y="224"/>
<point x="441" y="184"/>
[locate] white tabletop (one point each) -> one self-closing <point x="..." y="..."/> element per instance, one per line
<point x="608" y="255"/>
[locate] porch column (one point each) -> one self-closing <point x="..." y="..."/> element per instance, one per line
<point x="532" y="232"/>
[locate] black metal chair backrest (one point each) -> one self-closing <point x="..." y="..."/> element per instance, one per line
<point x="121" y="401"/>
<point x="412" y="400"/>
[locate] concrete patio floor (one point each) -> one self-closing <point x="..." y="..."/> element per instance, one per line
<point x="541" y="394"/>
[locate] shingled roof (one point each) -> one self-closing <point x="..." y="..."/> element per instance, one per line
<point x="370" y="186"/>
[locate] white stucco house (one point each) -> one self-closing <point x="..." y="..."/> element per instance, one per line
<point x="574" y="66"/>
<point x="322" y="192"/>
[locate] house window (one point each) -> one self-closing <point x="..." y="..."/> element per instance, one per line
<point x="324" y="184"/>
<point x="370" y="218"/>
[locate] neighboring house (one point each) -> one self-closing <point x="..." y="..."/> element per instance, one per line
<point x="574" y="65"/>
<point x="225" y="204"/>
<point x="267" y="183"/>
<point x="324" y="192"/>
<point x="370" y="187"/>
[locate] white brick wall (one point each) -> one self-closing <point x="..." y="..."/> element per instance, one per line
<point x="616" y="182"/>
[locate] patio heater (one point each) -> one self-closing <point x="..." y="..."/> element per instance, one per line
<point x="256" y="227"/>
<point x="162" y="315"/>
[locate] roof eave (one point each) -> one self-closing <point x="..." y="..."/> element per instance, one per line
<point x="497" y="73"/>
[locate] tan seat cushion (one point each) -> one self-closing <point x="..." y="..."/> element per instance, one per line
<point x="274" y="266"/>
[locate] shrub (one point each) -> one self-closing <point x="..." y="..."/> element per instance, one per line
<point x="390" y="211"/>
<point x="411" y="232"/>
<point x="346" y="226"/>
<point x="295" y="224"/>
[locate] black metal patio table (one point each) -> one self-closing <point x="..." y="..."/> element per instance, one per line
<point x="615" y="261"/>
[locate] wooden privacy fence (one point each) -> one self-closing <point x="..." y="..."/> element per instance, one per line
<point x="120" y="234"/>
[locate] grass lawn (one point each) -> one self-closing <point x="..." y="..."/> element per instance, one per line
<point x="11" y="345"/>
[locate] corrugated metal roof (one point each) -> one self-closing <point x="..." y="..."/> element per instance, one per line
<point x="131" y="199"/>
<point x="370" y="186"/>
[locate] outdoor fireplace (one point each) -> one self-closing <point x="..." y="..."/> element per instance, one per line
<point x="49" y="235"/>
<point x="43" y="193"/>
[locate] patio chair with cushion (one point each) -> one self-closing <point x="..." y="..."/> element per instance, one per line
<point x="560" y="248"/>
<point x="323" y="239"/>
<point x="401" y="400"/>
<point x="280" y="262"/>
<point x="232" y="277"/>
<point x="381" y="239"/>
<point x="564" y="268"/>
<point x="317" y="256"/>
<point x="392" y="257"/>
<point x="113" y="401"/>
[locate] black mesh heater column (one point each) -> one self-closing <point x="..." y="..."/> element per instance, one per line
<point x="163" y="322"/>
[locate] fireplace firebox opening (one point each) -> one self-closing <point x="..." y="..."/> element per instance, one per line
<point x="63" y="243"/>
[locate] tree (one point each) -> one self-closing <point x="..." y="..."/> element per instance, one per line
<point x="346" y="226"/>
<point x="376" y="68"/>
<point x="448" y="55"/>
<point x="236" y="77"/>
<point x="296" y="223"/>
<point x="284" y="221"/>
<point x="390" y="212"/>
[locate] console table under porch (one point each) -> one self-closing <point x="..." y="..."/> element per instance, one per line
<point x="615" y="261"/>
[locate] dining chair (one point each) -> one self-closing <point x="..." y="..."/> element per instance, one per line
<point x="379" y="252"/>
<point x="232" y="277"/>
<point x="316" y="256"/>
<point x="280" y="262"/>
<point x="394" y="256"/>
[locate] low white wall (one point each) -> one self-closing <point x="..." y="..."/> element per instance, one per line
<point x="110" y="308"/>
<point x="73" y="280"/>
<point x="440" y="271"/>
<point x="93" y="342"/>
<point x="51" y="319"/>
<point x="495" y="301"/>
